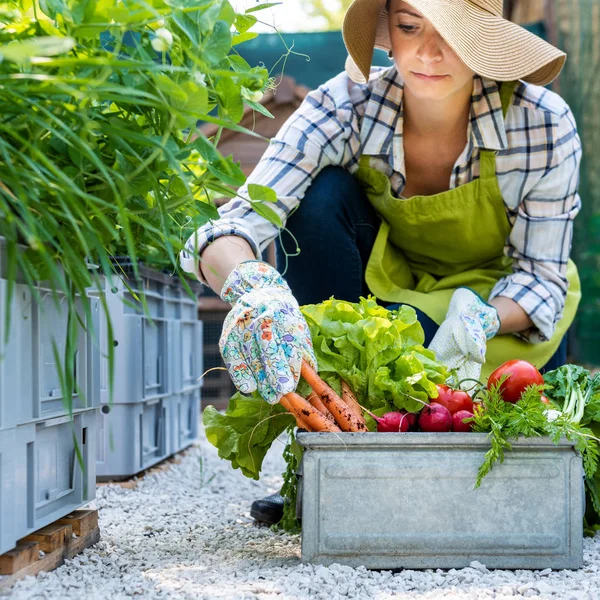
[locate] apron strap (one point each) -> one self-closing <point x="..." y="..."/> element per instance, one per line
<point x="487" y="158"/>
<point x="506" y="93"/>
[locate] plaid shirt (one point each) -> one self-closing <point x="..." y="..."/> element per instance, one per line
<point x="537" y="164"/>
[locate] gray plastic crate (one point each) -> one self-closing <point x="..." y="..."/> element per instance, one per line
<point x="158" y="355"/>
<point x="132" y="437"/>
<point x="188" y="357"/>
<point x="29" y="378"/>
<point x="15" y="355"/>
<point x="184" y="419"/>
<point x="409" y="501"/>
<point x="7" y="489"/>
<point x="41" y="479"/>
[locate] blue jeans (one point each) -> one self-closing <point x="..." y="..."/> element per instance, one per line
<point x="335" y="227"/>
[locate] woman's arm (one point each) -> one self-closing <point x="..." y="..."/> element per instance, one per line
<point x="540" y="241"/>
<point x="323" y="131"/>
<point x="221" y="257"/>
<point x="512" y="317"/>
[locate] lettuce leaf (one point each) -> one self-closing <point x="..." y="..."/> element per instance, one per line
<point x="379" y="352"/>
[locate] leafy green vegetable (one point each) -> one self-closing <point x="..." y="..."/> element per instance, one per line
<point x="379" y="352"/>
<point x="244" y="434"/>
<point x="592" y="495"/>
<point x="577" y="392"/>
<point x="573" y="389"/>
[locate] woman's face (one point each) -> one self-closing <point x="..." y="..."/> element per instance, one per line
<point x="419" y="51"/>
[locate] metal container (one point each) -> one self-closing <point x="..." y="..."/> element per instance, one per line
<point x="392" y="501"/>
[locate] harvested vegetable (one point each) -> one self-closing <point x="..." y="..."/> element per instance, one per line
<point x="458" y="421"/>
<point x="435" y="418"/>
<point x="394" y="422"/>
<point x="350" y="399"/>
<point x="314" y="399"/>
<point x="378" y="352"/>
<point x="315" y="420"/>
<point x="527" y="417"/>
<point x="344" y="416"/>
<point x="454" y="400"/>
<point x="577" y="394"/>
<point x="514" y="376"/>
<point x="245" y="432"/>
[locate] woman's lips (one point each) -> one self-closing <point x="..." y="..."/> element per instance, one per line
<point x="429" y="77"/>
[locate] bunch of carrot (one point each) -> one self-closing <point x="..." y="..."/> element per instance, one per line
<point x="324" y="410"/>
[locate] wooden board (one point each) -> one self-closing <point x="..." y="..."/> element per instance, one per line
<point x="56" y="540"/>
<point x="82" y="521"/>
<point x="15" y="560"/>
<point x="51" y="537"/>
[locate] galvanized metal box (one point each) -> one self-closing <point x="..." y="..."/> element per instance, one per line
<point x="391" y="501"/>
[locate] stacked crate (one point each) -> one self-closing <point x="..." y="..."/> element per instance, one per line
<point x="218" y="386"/>
<point x="155" y="407"/>
<point x="41" y="479"/>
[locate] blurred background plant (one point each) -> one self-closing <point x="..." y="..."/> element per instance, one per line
<point x="331" y="13"/>
<point x="100" y="154"/>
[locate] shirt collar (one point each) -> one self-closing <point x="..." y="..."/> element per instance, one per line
<point x="381" y="131"/>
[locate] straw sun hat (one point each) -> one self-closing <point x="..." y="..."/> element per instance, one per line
<point x="488" y="44"/>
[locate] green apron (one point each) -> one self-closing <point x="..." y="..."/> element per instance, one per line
<point x="428" y="246"/>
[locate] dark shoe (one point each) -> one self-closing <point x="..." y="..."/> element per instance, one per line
<point x="268" y="510"/>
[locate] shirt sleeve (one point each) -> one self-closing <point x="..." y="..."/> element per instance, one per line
<point x="541" y="237"/>
<point x="323" y="131"/>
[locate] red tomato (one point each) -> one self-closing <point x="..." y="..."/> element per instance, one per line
<point x="453" y="400"/>
<point x="519" y="375"/>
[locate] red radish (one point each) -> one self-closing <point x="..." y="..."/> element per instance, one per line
<point x="412" y="421"/>
<point x="435" y="418"/>
<point x="544" y="399"/>
<point x="394" y="422"/>
<point x="457" y="421"/>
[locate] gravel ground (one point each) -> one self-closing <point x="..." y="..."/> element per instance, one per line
<point x="186" y="533"/>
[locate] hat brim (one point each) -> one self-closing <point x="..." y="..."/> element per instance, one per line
<point x="488" y="44"/>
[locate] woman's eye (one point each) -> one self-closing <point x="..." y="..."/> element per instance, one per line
<point x="407" y="28"/>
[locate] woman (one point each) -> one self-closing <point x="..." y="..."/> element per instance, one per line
<point x="447" y="181"/>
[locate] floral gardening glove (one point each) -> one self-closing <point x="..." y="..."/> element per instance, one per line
<point x="265" y="336"/>
<point x="460" y="342"/>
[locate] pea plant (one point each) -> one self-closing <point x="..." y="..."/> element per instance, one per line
<point x="100" y="151"/>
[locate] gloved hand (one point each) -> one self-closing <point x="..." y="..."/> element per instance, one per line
<point x="460" y="342"/>
<point x="265" y="336"/>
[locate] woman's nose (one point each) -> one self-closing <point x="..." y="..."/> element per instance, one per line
<point x="431" y="48"/>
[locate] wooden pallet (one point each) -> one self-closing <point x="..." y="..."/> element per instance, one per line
<point x="56" y="541"/>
